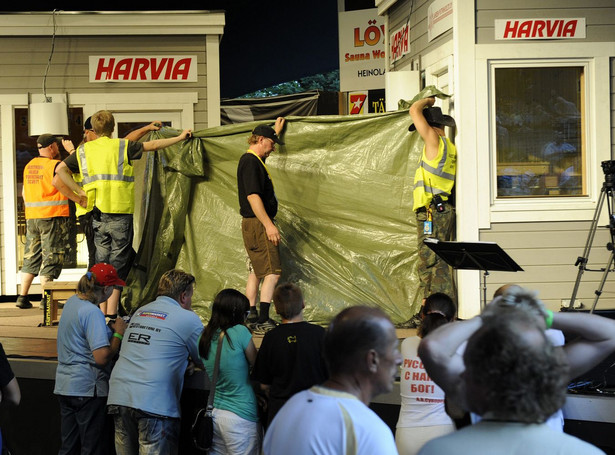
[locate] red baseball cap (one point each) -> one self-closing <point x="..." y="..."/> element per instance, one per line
<point x="106" y="275"/>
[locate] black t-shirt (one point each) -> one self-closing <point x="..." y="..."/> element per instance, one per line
<point x="290" y="360"/>
<point x="252" y="178"/>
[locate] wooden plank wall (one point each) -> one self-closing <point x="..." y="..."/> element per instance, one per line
<point x="612" y="78"/>
<point x="23" y="61"/>
<point x="416" y="12"/>
<point x="547" y="252"/>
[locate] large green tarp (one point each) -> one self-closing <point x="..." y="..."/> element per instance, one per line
<point x="344" y="185"/>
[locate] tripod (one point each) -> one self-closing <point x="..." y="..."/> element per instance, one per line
<point x="606" y="193"/>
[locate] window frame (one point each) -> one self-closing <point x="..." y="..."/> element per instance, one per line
<point x="584" y="65"/>
<point x="597" y="143"/>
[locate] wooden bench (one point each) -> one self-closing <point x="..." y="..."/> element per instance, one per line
<point x="53" y="292"/>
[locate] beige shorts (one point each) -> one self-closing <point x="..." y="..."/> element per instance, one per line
<point x="263" y="254"/>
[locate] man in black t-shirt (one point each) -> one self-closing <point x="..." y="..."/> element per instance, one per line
<point x="289" y="359"/>
<point x="258" y="206"/>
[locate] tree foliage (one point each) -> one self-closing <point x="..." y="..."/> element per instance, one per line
<point x="326" y="82"/>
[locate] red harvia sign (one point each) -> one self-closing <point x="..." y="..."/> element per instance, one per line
<point x="158" y="68"/>
<point x="523" y="29"/>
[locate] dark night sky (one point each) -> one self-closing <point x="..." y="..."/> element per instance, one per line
<point x="265" y="42"/>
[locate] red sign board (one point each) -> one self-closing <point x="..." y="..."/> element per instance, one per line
<point x="524" y="29"/>
<point x="123" y="68"/>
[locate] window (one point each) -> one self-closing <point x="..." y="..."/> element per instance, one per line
<point x="539" y="137"/>
<point x="76" y="252"/>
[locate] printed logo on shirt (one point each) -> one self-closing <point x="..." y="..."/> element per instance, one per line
<point x="139" y="338"/>
<point x="291" y="339"/>
<point x="153" y="314"/>
<point x="413" y="371"/>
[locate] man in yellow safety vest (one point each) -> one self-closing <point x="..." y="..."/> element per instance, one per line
<point x="107" y="187"/>
<point x="433" y="185"/>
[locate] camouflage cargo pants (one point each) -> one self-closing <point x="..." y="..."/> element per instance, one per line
<point x="46" y="241"/>
<point x="435" y="275"/>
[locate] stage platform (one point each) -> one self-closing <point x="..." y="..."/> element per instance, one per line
<point x="33" y="356"/>
<point x="31" y="349"/>
<point x="23" y="338"/>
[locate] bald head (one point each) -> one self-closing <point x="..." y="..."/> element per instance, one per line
<point x="352" y="333"/>
<point x="505" y="289"/>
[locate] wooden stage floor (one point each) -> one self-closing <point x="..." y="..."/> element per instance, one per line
<point x="22" y="337"/>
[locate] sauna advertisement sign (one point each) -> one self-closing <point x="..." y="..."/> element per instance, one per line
<point x="143" y="68"/>
<point x="525" y="29"/>
<point x="362" y="50"/>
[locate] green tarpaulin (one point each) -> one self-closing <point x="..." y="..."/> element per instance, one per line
<point x="344" y="185"/>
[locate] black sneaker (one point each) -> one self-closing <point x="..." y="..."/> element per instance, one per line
<point x="412" y="323"/>
<point x="260" y="328"/>
<point x="252" y="318"/>
<point x="23" y="302"/>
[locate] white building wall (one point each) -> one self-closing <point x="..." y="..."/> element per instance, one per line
<point x="25" y="49"/>
<point x="544" y="236"/>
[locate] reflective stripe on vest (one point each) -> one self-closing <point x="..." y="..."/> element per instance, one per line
<point x="41" y="198"/>
<point x="107" y="175"/>
<point x="79" y="211"/>
<point x="435" y="176"/>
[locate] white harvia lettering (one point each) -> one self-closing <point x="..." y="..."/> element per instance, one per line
<point x="142" y="69"/>
<point x="540" y="28"/>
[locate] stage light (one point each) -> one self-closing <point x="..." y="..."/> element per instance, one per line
<point x="48" y="116"/>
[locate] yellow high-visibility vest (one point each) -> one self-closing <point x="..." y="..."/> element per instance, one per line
<point x="435" y="176"/>
<point x="107" y="176"/>
<point x="41" y="198"/>
<point x="78" y="209"/>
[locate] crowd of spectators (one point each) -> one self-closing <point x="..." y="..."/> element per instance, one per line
<point x="307" y="389"/>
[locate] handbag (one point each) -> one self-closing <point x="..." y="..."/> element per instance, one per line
<point x="202" y="429"/>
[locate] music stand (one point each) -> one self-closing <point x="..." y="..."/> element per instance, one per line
<point x="483" y="256"/>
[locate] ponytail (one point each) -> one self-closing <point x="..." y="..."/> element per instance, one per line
<point x="87" y="289"/>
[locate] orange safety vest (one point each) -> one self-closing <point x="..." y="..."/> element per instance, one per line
<point x="42" y="199"/>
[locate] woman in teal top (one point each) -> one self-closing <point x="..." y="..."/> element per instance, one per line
<point x="236" y="426"/>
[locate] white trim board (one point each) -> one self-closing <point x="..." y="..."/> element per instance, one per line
<point x="100" y="23"/>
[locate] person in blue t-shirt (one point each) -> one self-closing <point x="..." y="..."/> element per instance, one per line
<point x="145" y="388"/>
<point x="236" y="425"/>
<point x="86" y="346"/>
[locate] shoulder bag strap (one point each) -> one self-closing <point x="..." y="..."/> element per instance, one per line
<point x="214" y="379"/>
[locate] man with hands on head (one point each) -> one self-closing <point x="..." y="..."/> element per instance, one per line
<point x="258" y="206"/>
<point x="508" y="355"/>
<point x="107" y="176"/>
